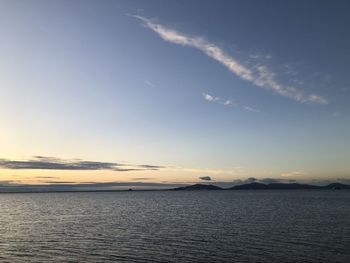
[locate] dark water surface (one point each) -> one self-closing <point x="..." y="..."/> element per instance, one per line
<point x="166" y="226"/>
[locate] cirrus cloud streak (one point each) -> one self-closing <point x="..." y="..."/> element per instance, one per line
<point x="51" y="163"/>
<point x="259" y="75"/>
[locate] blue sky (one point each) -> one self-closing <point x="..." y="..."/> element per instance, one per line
<point x="201" y="88"/>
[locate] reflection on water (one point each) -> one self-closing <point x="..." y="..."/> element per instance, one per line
<point x="202" y="226"/>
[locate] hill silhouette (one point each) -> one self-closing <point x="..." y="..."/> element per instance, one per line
<point x="336" y="186"/>
<point x="199" y="187"/>
<point x="261" y="186"/>
<point x="272" y="186"/>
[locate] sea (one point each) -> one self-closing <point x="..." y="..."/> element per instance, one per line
<point x="176" y="226"/>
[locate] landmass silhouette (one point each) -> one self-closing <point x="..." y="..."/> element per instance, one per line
<point x="261" y="186"/>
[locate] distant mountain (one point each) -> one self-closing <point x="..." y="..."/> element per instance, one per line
<point x="291" y="186"/>
<point x="336" y="186"/>
<point x="259" y="186"/>
<point x="249" y="186"/>
<point x="199" y="187"/>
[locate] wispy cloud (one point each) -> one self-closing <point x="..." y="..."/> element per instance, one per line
<point x="149" y="83"/>
<point x="259" y="75"/>
<point x="235" y="171"/>
<point x="50" y="163"/>
<point x="229" y="103"/>
<point x="251" y="109"/>
<point x="293" y="173"/>
<point x="335" y="114"/>
<point x="46" y="177"/>
<point x="218" y="100"/>
<point x="149" y="166"/>
<point x="259" y="57"/>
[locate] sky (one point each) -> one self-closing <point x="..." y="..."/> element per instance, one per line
<point x="165" y="93"/>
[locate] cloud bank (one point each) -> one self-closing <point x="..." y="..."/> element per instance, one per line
<point x="50" y="163"/>
<point x="259" y="76"/>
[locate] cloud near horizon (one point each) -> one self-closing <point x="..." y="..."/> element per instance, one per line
<point x="51" y="163"/>
<point x="258" y="75"/>
<point x="233" y="171"/>
<point x="205" y="178"/>
<point x="293" y="173"/>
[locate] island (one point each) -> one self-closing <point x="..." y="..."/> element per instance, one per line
<point x="261" y="186"/>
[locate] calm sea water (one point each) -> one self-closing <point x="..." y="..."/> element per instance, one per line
<point x="194" y="226"/>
